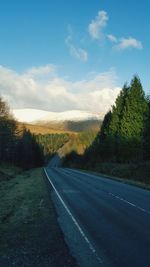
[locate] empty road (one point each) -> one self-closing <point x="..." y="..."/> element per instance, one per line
<point x="105" y="222"/>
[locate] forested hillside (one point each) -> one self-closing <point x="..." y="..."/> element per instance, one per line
<point x="41" y="129"/>
<point x="121" y="147"/>
<point x="77" y="146"/>
<point x="17" y="146"/>
<point x="50" y="143"/>
<point x="72" y="126"/>
<point x="124" y="140"/>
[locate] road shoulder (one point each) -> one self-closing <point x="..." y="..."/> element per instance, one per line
<point x="118" y="179"/>
<point x="29" y="231"/>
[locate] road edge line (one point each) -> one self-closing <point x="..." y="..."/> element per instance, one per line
<point x="73" y="219"/>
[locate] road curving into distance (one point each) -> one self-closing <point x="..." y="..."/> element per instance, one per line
<point x="105" y="222"/>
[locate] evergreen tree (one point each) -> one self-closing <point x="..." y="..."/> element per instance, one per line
<point x="29" y="152"/>
<point x="21" y="149"/>
<point x="101" y="148"/>
<point x="117" y="111"/>
<point x="121" y="135"/>
<point x="133" y="122"/>
<point x="146" y="141"/>
<point x="7" y="133"/>
<point x="116" y="120"/>
<point x="105" y="140"/>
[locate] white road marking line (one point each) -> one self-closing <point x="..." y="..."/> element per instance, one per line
<point x="130" y="203"/>
<point x="83" y="173"/>
<point x="74" y="220"/>
<point x="122" y="199"/>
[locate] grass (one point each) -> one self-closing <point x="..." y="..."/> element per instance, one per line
<point x="8" y="171"/>
<point x="29" y="232"/>
<point x="136" y="174"/>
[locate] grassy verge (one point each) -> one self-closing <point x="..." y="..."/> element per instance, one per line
<point x="8" y="172"/>
<point x="29" y="232"/>
<point x="135" y="174"/>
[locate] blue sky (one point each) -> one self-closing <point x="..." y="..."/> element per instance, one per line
<point x="79" y="40"/>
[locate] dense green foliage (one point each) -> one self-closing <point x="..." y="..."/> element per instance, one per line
<point x="7" y="133"/>
<point x="77" y="146"/>
<point x="124" y="137"/>
<point x="147" y="135"/>
<point x="17" y="147"/>
<point x="29" y="152"/>
<point x="125" y="132"/>
<point x="81" y="141"/>
<point x="121" y="136"/>
<point x="50" y="143"/>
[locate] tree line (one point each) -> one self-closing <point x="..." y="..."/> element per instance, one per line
<point x="17" y="146"/>
<point x="20" y="147"/>
<point x="124" y="136"/>
<point x="77" y="145"/>
<point x="50" y="143"/>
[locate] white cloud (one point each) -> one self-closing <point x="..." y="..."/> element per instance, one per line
<point x="112" y="38"/>
<point x="96" y="26"/>
<point x="96" y="93"/>
<point x="125" y="43"/>
<point x="42" y="70"/>
<point x="77" y="52"/>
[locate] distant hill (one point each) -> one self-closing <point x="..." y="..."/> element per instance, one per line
<point x="41" y="129"/>
<point x="72" y="121"/>
<point x="73" y="126"/>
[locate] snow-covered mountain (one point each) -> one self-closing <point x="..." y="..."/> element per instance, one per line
<point x="37" y="116"/>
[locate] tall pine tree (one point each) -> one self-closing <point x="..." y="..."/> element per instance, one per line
<point x="116" y="121"/>
<point x="121" y="135"/>
<point x="146" y="141"/>
<point x="133" y="122"/>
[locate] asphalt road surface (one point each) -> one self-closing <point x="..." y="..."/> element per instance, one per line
<point x="105" y="222"/>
